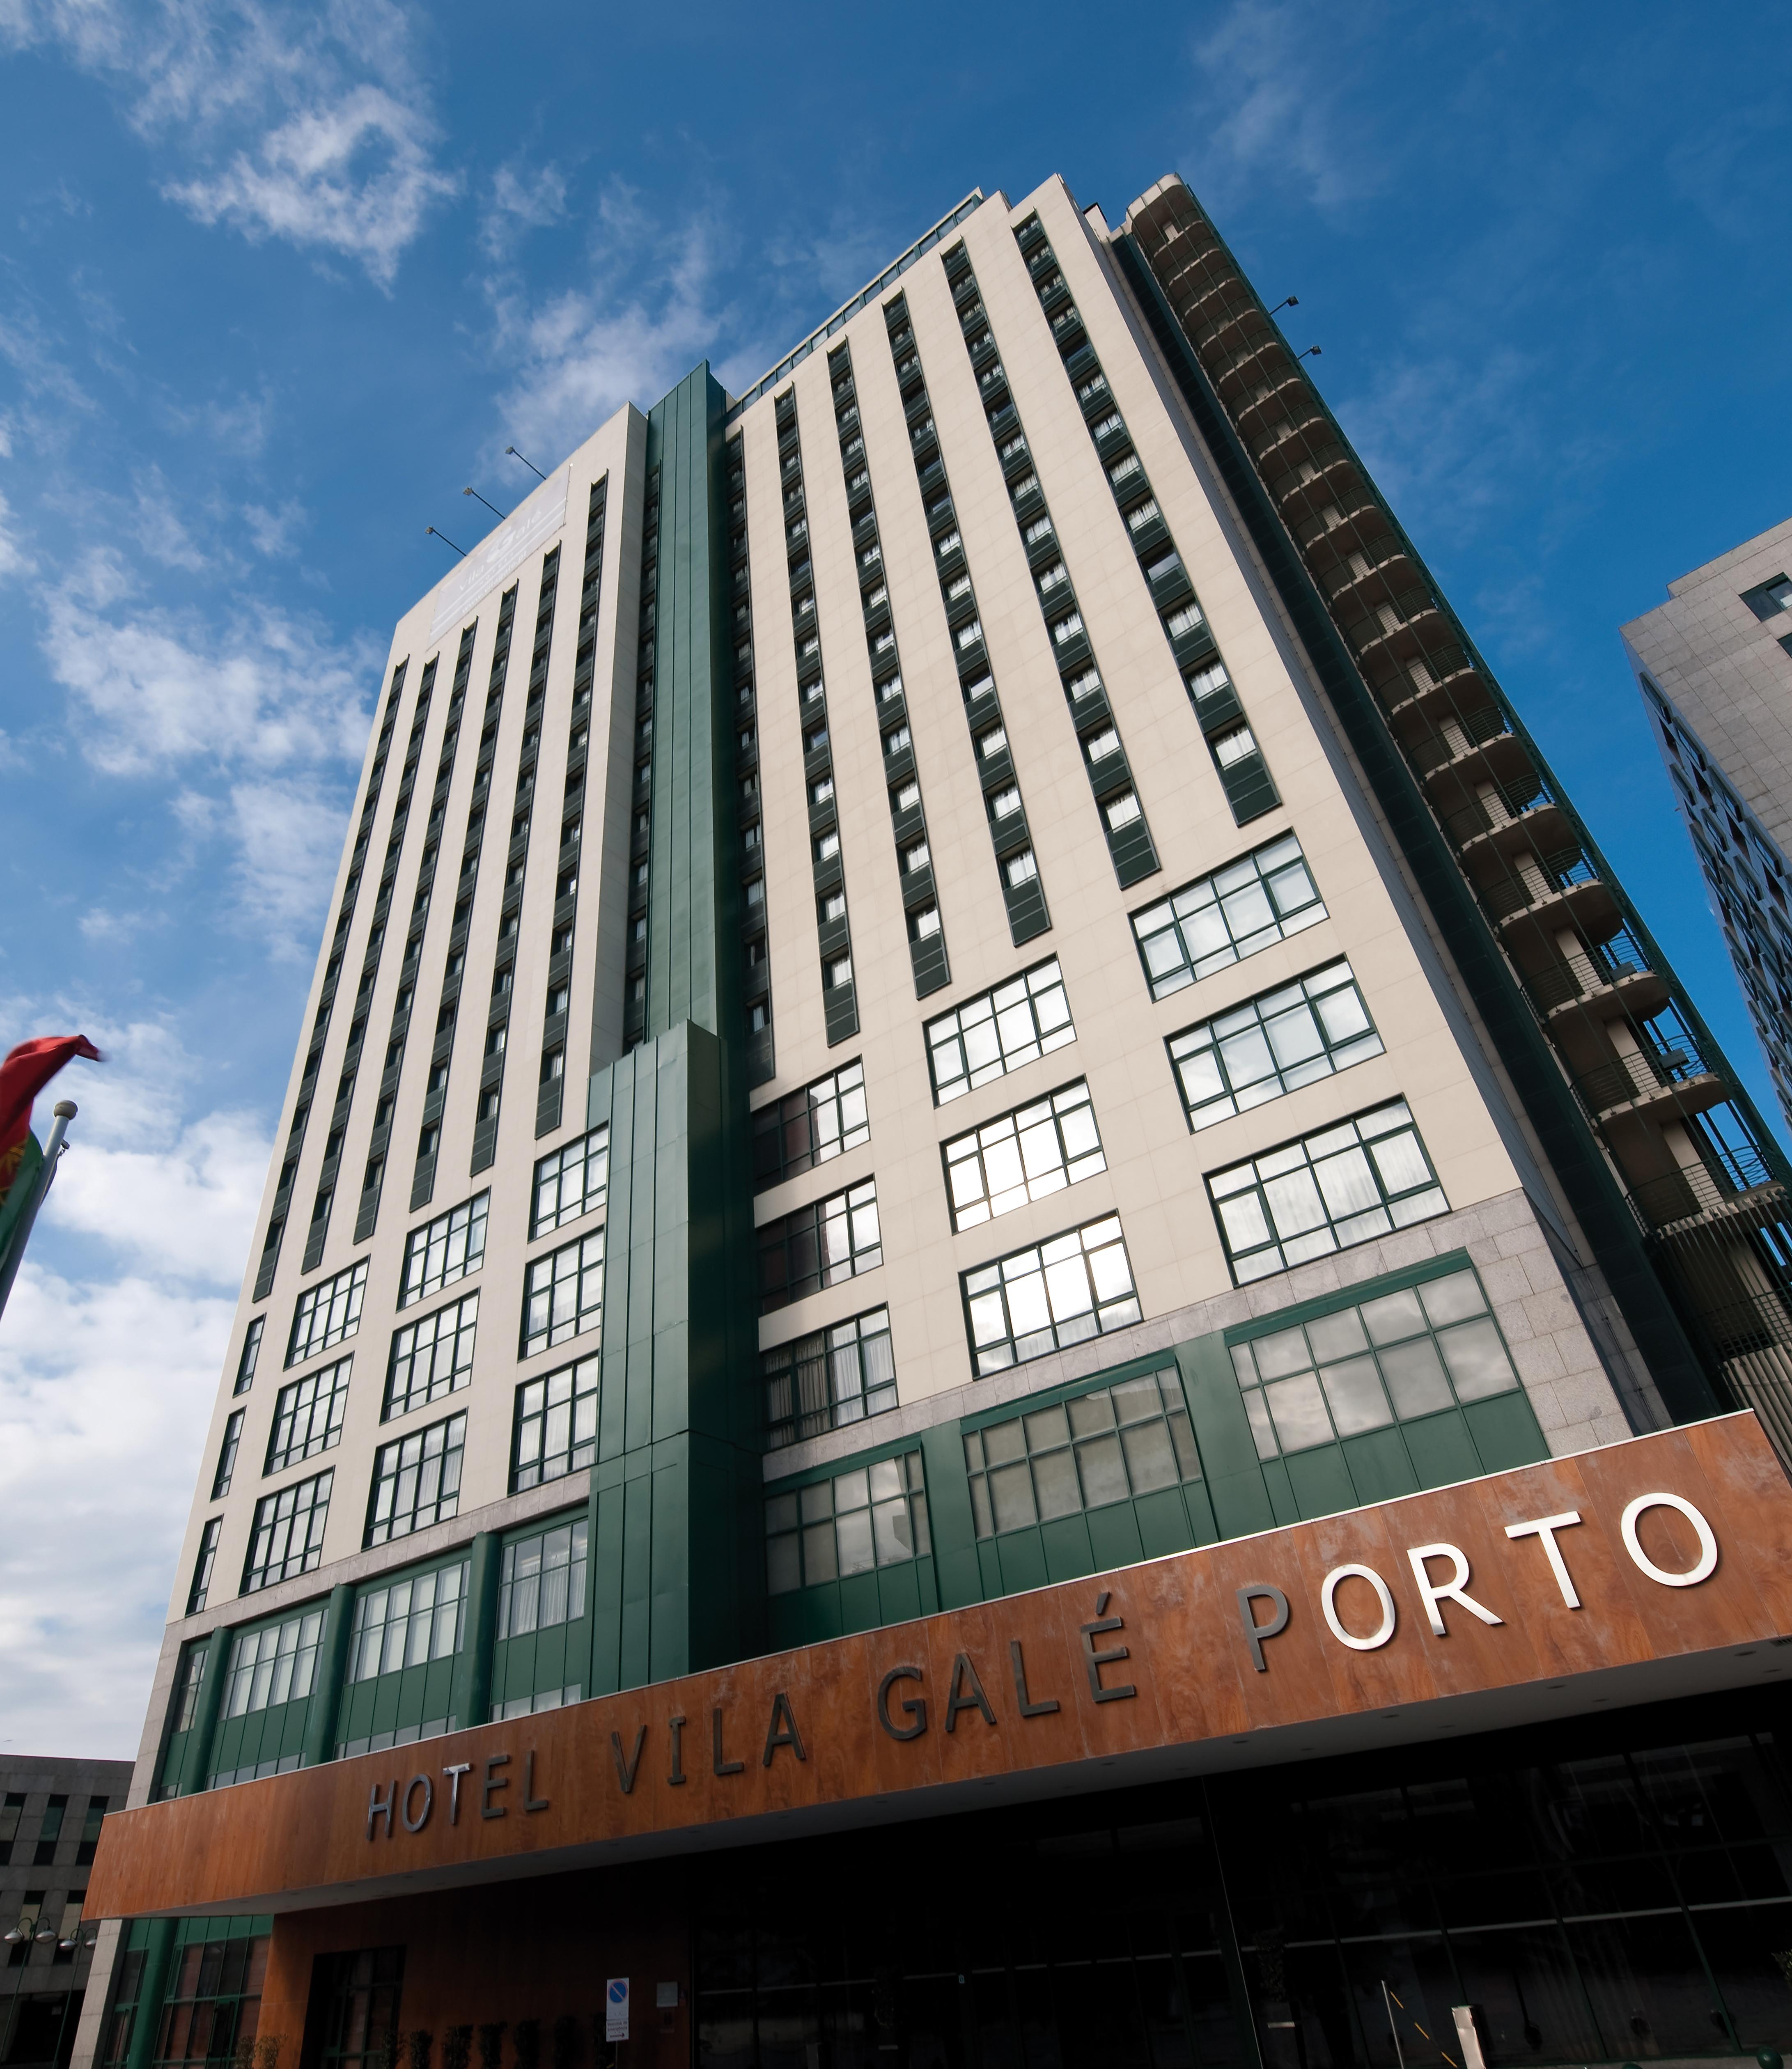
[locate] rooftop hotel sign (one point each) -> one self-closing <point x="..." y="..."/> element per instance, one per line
<point x="1653" y="1567"/>
<point x="500" y="552"/>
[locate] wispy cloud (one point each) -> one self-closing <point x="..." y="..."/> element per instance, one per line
<point x="533" y="199"/>
<point x="309" y="125"/>
<point x="107" y="1376"/>
<point x="584" y="353"/>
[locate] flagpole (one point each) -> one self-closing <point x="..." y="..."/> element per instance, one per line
<point x="64" y="1111"/>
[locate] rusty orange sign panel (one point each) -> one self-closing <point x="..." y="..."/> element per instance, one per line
<point x="1659" y="1550"/>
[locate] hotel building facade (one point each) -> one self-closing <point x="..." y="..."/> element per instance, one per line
<point x="1005" y="1314"/>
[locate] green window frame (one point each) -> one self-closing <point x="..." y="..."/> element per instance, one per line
<point x="416" y="1480"/>
<point x="1274" y="1043"/>
<point x="854" y="1523"/>
<point x="1109" y="1444"/>
<point x="1049" y="1296"/>
<point x="541" y="1579"/>
<point x="328" y="1313"/>
<point x="278" y="1663"/>
<point x="563" y="1294"/>
<point x="409" y="1622"/>
<point x="308" y="1416"/>
<point x="570" y="1182"/>
<point x="821" y="1244"/>
<point x="203" y="1565"/>
<point x="444" y="1249"/>
<point x="824" y="1120"/>
<point x="431" y="1358"/>
<point x="227" y="1455"/>
<point x="1012" y="1024"/>
<point x="555" y="1430"/>
<point x="826" y="1381"/>
<point x="1220" y="919"/>
<point x="251" y="1354"/>
<point x="1346" y="1183"/>
<point x="1396" y="1358"/>
<point x="1022" y="1155"/>
<point x="286" y="1538"/>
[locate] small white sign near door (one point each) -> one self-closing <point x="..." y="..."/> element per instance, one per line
<point x="615" y="2009"/>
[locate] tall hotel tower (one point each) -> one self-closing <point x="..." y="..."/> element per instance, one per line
<point x="1005" y="1311"/>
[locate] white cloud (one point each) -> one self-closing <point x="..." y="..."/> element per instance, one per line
<point x="272" y="530"/>
<point x="303" y="123"/>
<point x="587" y="351"/>
<point x="109" y="1363"/>
<point x="534" y="199"/>
<point x="105" y="1387"/>
<point x="288" y="839"/>
<point x="160" y="687"/>
<point x="354" y="176"/>
<point x="13" y="560"/>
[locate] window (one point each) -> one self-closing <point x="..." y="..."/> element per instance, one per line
<point x="50" y="1831"/>
<point x="1053" y="1294"/>
<point x="1221" y="919"/>
<point x="924" y="923"/>
<point x="827" y="846"/>
<point x="408" y="1622"/>
<point x="203" y="1564"/>
<point x="431" y="1356"/>
<point x="308" y="1416"/>
<point x="1023" y="1156"/>
<point x="839" y="973"/>
<point x="1105" y="1447"/>
<point x="826" y="1381"/>
<point x="999" y="1031"/>
<point x="1272" y="1044"/>
<point x="327" y="1312"/>
<point x="563" y="1294"/>
<point x="276" y="1664"/>
<point x="819" y="1245"/>
<point x="1345" y="1185"/>
<point x="226" y="1456"/>
<point x="193" y="1682"/>
<point x="1769" y="598"/>
<point x="445" y="1250"/>
<point x="9" y="1814"/>
<point x="557" y="1425"/>
<point x="1019" y="869"/>
<point x="1388" y="1360"/>
<point x="97" y="1809"/>
<point x="542" y="1580"/>
<point x="1120" y="811"/>
<point x="288" y="1538"/>
<point x="416" y="1480"/>
<point x="852" y="1524"/>
<point x="806" y="1127"/>
<point x="252" y="1352"/>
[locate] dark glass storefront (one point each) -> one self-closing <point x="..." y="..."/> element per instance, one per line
<point x="1616" y="1889"/>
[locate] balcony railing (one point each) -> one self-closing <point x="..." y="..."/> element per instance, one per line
<point x="1697" y="1189"/>
<point x="1557" y="984"/>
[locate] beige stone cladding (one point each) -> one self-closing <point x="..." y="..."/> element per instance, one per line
<point x="618" y="449"/>
<point x="1726" y="671"/>
<point x="1156" y="1168"/>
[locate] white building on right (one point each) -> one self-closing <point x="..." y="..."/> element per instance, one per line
<point x="1715" y="665"/>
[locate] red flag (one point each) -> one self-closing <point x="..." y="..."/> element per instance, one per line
<point x="26" y="1071"/>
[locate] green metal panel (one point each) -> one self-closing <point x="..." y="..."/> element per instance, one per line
<point x="326" y="1692"/>
<point x="151" y="1988"/>
<point x="959" y="1570"/>
<point x="1506" y="1432"/>
<point x="472" y="1691"/>
<point x="196" y="1762"/>
<point x="677" y="1568"/>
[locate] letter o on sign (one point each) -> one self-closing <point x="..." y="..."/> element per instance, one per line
<point x="1327" y="1602"/>
<point x="1707" y="1564"/>
<point x="418" y="1781"/>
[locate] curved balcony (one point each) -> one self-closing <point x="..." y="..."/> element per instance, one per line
<point x="1651" y="1085"/>
<point x="1617" y="974"/>
<point x="1562" y="889"/>
<point x="1743" y="1196"/>
<point x="1512" y="819"/>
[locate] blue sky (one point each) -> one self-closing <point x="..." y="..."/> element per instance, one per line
<point x="276" y="285"/>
